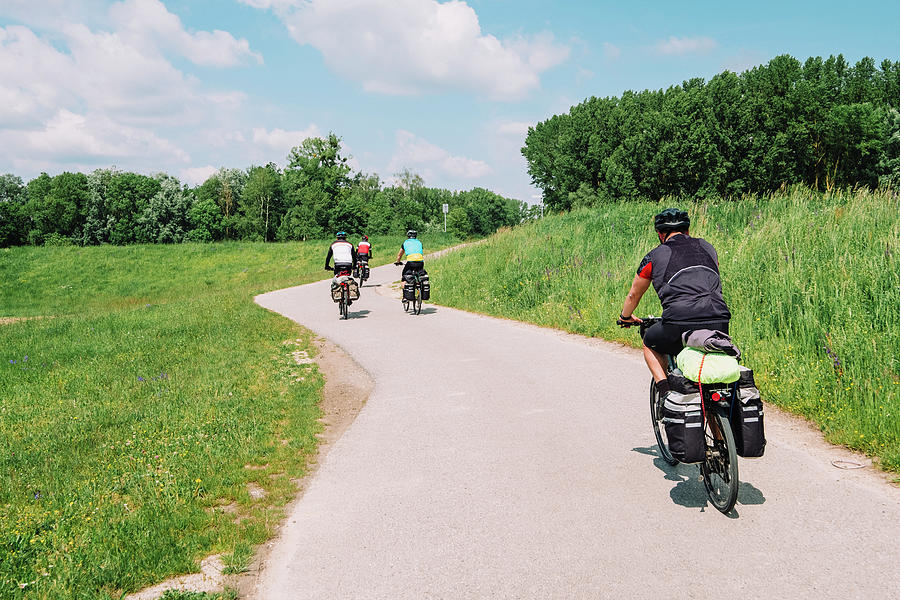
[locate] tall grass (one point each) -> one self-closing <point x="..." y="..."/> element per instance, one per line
<point x="136" y="411"/>
<point x="813" y="282"/>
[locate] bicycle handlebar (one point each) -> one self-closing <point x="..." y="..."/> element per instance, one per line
<point x="399" y="263"/>
<point x="643" y="324"/>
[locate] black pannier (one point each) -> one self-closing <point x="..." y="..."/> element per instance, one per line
<point x="683" y="420"/>
<point x="426" y="285"/>
<point x="681" y="384"/>
<point x="747" y="418"/>
<point x="409" y="291"/>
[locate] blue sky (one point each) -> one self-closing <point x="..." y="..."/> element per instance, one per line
<point x="445" y="89"/>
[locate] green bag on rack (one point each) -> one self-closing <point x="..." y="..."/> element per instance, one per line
<point x="717" y="368"/>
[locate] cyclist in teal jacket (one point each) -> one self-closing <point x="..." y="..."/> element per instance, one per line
<point x="415" y="254"/>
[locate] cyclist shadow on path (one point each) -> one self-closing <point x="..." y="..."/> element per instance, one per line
<point x="358" y="314"/>
<point x="689" y="490"/>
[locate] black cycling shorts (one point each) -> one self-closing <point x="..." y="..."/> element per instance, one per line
<point x="413" y="266"/>
<point x="665" y="338"/>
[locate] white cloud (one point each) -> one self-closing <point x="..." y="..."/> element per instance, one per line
<point x="78" y="140"/>
<point x="417" y="46"/>
<point x="282" y="141"/>
<point x="149" y="24"/>
<point x="94" y="96"/>
<point x="686" y="45"/>
<point x="196" y="175"/>
<point x="420" y="155"/>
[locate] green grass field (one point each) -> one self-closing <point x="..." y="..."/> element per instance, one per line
<point x="813" y="283"/>
<point x="137" y="408"/>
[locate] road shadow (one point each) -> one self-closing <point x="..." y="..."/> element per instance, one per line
<point x="428" y="310"/>
<point x="359" y="314"/>
<point x="689" y="490"/>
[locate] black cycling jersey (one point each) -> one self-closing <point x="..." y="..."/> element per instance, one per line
<point x="685" y="275"/>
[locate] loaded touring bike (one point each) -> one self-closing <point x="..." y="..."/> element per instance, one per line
<point x="344" y="290"/>
<point x="696" y="424"/>
<point x="416" y="288"/>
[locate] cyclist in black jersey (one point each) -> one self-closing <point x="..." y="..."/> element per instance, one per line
<point x="684" y="272"/>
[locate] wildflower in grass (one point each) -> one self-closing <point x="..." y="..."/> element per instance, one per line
<point x="140" y="378"/>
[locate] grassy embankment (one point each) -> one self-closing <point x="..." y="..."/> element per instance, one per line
<point x="129" y="411"/>
<point x="813" y="283"/>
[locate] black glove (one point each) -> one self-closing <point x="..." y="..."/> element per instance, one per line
<point x="399" y="263"/>
<point x="626" y="323"/>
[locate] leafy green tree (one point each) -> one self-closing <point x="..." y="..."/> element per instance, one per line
<point x="129" y="197"/>
<point x="165" y="220"/>
<point x="205" y="220"/>
<point x="96" y="209"/>
<point x="13" y="219"/>
<point x="261" y="203"/>
<point x="55" y="206"/>
<point x="889" y="162"/>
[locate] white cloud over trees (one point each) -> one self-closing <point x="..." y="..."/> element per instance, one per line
<point x="418" y="46"/>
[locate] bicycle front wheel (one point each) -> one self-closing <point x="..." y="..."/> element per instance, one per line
<point x="659" y="429"/>
<point x="720" y="469"/>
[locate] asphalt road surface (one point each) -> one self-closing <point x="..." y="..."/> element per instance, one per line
<point x="501" y="460"/>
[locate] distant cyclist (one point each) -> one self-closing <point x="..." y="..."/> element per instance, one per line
<point x="415" y="254"/>
<point x="364" y="250"/>
<point x="684" y="272"/>
<point x="343" y="252"/>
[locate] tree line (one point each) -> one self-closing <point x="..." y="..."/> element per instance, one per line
<point x="314" y="196"/>
<point x="822" y="123"/>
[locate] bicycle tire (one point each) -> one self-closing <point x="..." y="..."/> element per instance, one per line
<point x="417" y="303"/>
<point x="345" y="309"/>
<point x="659" y="430"/>
<point x="405" y="304"/>
<point x="720" y="469"/>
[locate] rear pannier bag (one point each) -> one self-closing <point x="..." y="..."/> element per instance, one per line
<point x="747" y="419"/>
<point x="352" y="288"/>
<point x="681" y="384"/>
<point x="409" y="291"/>
<point x="683" y="420"/>
<point x="426" y="286"/>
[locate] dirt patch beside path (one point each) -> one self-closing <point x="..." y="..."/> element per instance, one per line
<point x="347" y="387"/>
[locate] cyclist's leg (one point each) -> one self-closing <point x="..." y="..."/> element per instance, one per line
<point x="660" y="340"/>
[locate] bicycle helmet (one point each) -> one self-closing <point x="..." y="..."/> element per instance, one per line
<point x="671" y="219"/>
<point x="411" y="233"/>
<point x="365" y="238"/>
<point x="341" y="235"/>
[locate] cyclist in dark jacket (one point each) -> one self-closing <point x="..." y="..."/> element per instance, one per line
<point x="684" y="272"/>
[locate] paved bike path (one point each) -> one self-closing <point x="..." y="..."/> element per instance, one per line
<point x="501" y="460"/>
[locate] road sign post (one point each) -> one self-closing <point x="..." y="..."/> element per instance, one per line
<point x="446" y="209"/>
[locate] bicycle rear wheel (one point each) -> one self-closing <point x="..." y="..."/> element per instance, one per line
<point x="417" y="303"/>
<point x="345" y="310"/>
<point x="720" y="469"/>
<point x="659" y="429"/>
